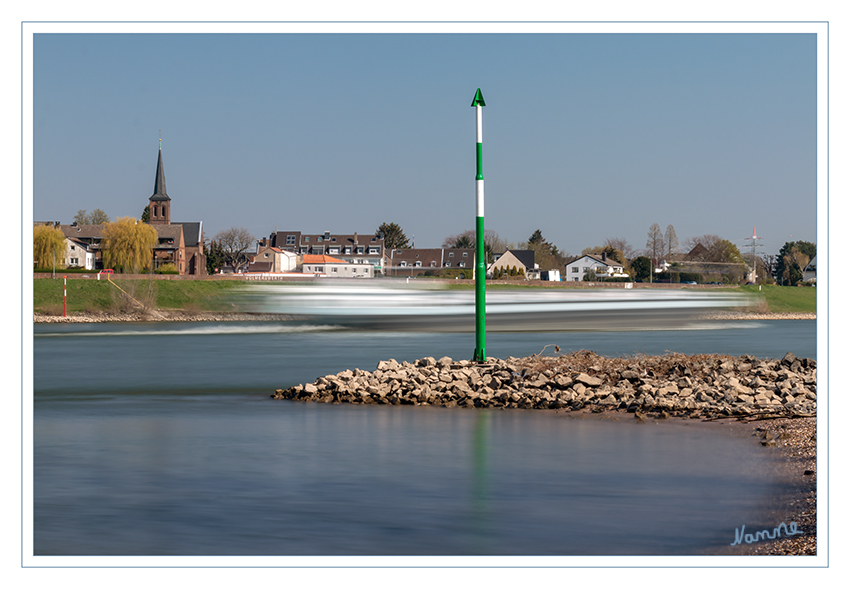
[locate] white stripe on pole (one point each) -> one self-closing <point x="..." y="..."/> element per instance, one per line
<point x="479" y="189"/>
<point x="478" y="125"/>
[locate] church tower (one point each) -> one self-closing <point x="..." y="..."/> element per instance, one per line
<point x="160" y="202"/>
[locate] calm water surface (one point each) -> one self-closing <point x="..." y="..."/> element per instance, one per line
<point x="173" y="446"/>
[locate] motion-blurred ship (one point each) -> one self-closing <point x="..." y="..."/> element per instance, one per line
<point x="403" y="306"/>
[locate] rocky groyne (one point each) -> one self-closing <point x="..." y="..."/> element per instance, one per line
<point x="673" y="384"/>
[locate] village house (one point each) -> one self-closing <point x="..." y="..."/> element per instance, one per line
<point x="78" y="254"/>
<point x="601" y="265"/>
<point x="273" y="260"/>
<point x="416" y="261"/>
<point x="519" y="259"/>
<point x="352" y="248"/>
<point x="323" y="265"/>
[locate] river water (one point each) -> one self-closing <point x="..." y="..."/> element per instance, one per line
<point x="161" y="439"/>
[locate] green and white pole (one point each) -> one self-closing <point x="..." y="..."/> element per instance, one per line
<point x="480" y="263"/>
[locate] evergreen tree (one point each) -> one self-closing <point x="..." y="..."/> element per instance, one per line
<point x="792" y="260"/>
<point x="394" y="237"/>
<point x="215" y="257"/>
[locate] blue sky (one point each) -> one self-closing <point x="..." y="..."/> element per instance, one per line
<point x="586" y="136"/>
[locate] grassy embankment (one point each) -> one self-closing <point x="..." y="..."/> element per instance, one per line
<point x="92" y="296"/>
<point x="782" y="299"/>
<point x="89" y="295"/>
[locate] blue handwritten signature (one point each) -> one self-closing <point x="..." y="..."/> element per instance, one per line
<point x="789" y="530"/>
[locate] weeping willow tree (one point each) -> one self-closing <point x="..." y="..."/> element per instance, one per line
<point x="128" y="245"/>
<point x="48" y="247"/>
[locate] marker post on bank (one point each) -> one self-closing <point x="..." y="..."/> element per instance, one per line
<point x="480" y="264"/>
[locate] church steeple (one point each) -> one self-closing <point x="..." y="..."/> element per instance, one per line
<point x="160" y="202"/>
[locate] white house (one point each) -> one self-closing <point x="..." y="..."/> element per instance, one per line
<point x="810" y="273"/>
<point x="601" y="265"/>
<point x="273" y="260"/>
<point x="78" y="254"/>
<point x="335" y="268"/>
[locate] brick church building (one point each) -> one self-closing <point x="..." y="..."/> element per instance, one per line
<point x="180" y="243"/>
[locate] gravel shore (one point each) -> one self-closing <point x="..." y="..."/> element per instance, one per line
<point x="165" y="315"/>
<point x="160" y="315"/>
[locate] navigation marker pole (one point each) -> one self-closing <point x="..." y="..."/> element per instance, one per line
<point x="480" y="264"/>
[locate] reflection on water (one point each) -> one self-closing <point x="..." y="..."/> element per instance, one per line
<point x="252" y="476"/>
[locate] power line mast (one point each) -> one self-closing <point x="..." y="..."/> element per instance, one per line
<point x="752" y="276"/>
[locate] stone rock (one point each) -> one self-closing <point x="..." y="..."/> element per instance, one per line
<point x="587" y="380"/>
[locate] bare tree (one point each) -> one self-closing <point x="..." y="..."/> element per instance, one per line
<point x="96" y="217"/>
<point x="707" y="241"/>
<point x="655" y="242"/>
<point x="234" y="242"/>
<point x="769" y="262"/>
<point x="671" y="242"/>
<point x="620" y="243"/>
<point x="493" y="244"/>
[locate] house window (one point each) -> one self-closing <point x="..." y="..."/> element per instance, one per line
<point x="402" y="264"/>
<point x="333" y="250"/>
<point x="447" y="265"/>
<point x="306" y="239"/>
<point x="575" y="269"/>
<point x="464" y="254"/>
<point x="451" y="254"/>
<point x="334" y="269"/>
<point x="461" y="265"/>
<point x="433" y="264"/>
<point x="373" y="251"/>
<point x="319" y="239"/>
<point x="75" y="261"/>
<point x="347" y="250"/>
<point x="73" y="247"/>
<point x="290" y="240"/>
<point x="360" y="250"/>
<point x="265" y="255"/>
<point x="418" y="264"/>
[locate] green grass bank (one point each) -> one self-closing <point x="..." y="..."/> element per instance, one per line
<point x="92" y="296"/>
<point x="88" y="295"/>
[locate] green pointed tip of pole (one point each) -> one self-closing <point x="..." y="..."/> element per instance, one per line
<point x="479" y="99"/>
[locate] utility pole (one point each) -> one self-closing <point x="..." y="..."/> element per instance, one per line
<point x="755" y="261"/>
<point x="480" y="264"/>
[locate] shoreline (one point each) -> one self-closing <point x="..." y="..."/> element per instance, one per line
<point x="212" y="316"/>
